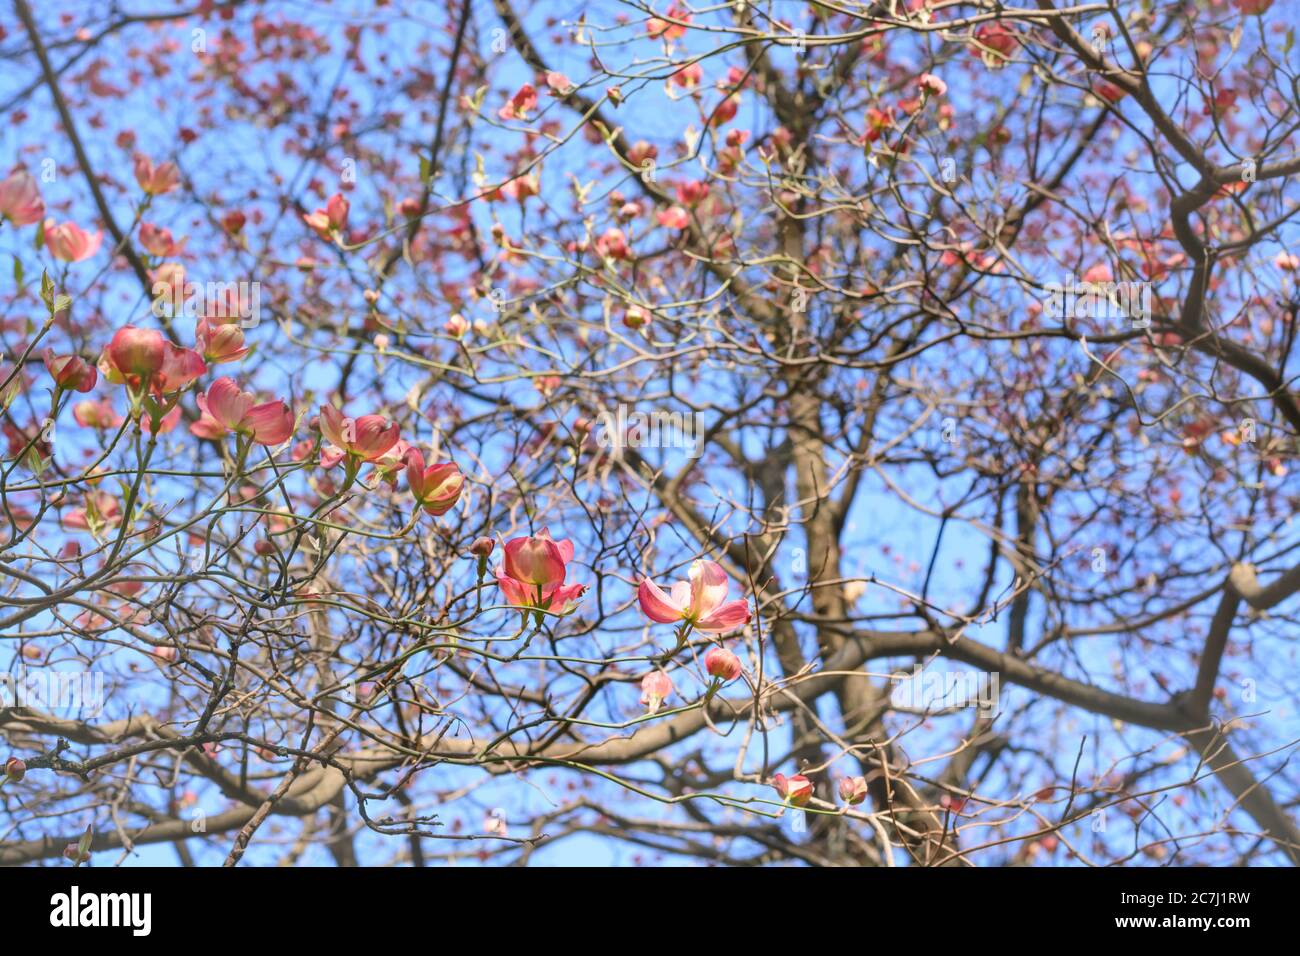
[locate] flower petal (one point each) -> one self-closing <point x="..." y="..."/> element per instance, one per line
<point x="331" y="425"/>
<point x="442" y="486"/>
<point x="535" y="560"/>
<point x="515" y="593"/>
<point x="564" y="545"/>
<point x="708" y="587"/>
<point x="226" y="403"/>
<point x="658" y="606"/>
<point x="330" y="455"/>
<point x="375" y="435"/>
<point x="728" y="617"/>
<point x="562" y="598"/>
<point x="269" y="423"/>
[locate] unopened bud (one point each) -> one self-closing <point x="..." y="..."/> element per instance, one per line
<point x="853" y="790"/>
<point x="722" y="664"/>
<point x="74" y="853"/>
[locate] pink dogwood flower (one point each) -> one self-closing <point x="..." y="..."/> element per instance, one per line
<point x="226" y="409"/>
<point x="96" y="413"/>
<point x="532" y="574"/>
<point x="180" y="367"/>
<point x="559" y="84"/>
<point x="692" y="192"/>
<point x="20" y="199"/>
<point x="222" y="342"/>
<point x="69" y="242"/>
<point x="1107" y="90"/>
<point x="156" y="180"/>
<point x="612" y="244"/>
<point x="70" y="372"/>
<point x="520" y="105"/>
<point x="436" y="488"/>
<point x="659" y="27"/>
<point x="655" y="688"/>
<point x="853" y="790"/>
<point x="931" y="85"/>
<point x="133" y="354"/>
<point x="700" y="602"/>
<point x="158" y="241"/>
<point x="796" y="790"/>
<point x="357" y="439"/>
<point x="674" y="217"/>
<point x="538" y="560"/>
<point x="330" y="220"/>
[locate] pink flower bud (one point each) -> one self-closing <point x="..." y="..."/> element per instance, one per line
<point x="156" y="180"/>
<point x="219" y="343"/>
<point x="537" y="560"/>
<point x="722" y="664"/>
<point x="796" y="790"/>
<point x="559" y="83"/>
<point x="74" y="853"/>
<point x="640" y="151"/>
<point x="331" y="219"/>
<point x="158" y="241"/>
<point x="138" y="352"/>
<point x="482" y="547"/>
<point x="655" y="688"/>
<point x="69" y="242"/>
<point x="20" y="199"/>
<point x="853" y="790"/>
<point x="952" y="804"/>
<point x="436" y="488"/>
<point x="15" y="769"/>
<point x="932" y="85"/>
<point x="70" y="372"/>
<point x="636" y="317"/>
<point x="612" y="244"/>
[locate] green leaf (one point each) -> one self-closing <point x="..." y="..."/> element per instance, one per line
<point x="18" y="272"/>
